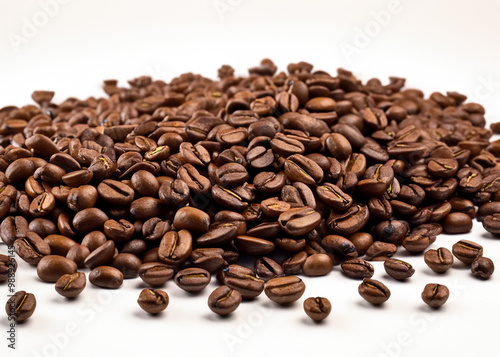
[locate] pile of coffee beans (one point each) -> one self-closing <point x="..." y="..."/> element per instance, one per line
<point x="251" y="179"/>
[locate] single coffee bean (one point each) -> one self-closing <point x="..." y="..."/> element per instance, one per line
<point x="266" y="268"/>
<point x="317" y="308"/>
<point x="31" y="248"/>
<point x="492" y="223"/>
<point x="242" y="279"/>
<point x="285" y="290"/>
<point x="155" y="273"/>
<point x="357" y="268"/>
<point x="224" y="300"/>
<point x="71" y="285"/>
<point x="115" y="192"/>
<point x="100" y="256"/>
<point x="78" y="254"/>
<point x="51" y="267"/>
<point x="153" y="301"/>
<point x="299" y="221"/>
<point x="89" y="219"/>
<point x="487" y="209"/>
<point x="300" y="168"/>
<point x="106" y="277"/>
<point x="253" y="246"/>
<point x="317" y="265"/>
<point x="192" y="280"/>
<point x="8" y="266"/>
<point x="294" y="264"/>
<point x="340" y="245"/>
<point x="192" y="219"/>
<point x="94" y="240"/>
<point x="175" y="247"/>
<point x="374" y="291"/>
<point x="20" y="306"/>
<point x="119" y="231"/>
<point x="128" y="264"/>
<point x="380" y="251"/>
<point x="13" y="228"/>
<point x="398" y="269"/>
<point x="457" y="222"/>
<point x="435" y="295"/>
<point x="482" y="267"/>
<point x="439" y="260"/>
<point x="466" y="251"/>
<point x="59" y="244"/>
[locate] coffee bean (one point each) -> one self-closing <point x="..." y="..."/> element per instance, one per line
<point x="175" y="247"/>
<point x="285" y="290"/>
<point x="192" y="219"/>
<point x="299" y="221"/>
<point x="71" y="285"/>
<point x="101" y="255"/>
<point x="153" y="301"/>
<point x="439" y="260"/>
<point x="31" y="248"/>
<point x="398" y="269"/>
<point x="340" y="245"/>
<point x="155" y="273"/>
<point x="457" y="222"/>
<point x="13" y="228"/>
<point x="224" y="300"/>
<point x="317" y="265"/>
<point x="435" y="295"/>
<point x="243" y="280"/>
<point x="20" y="306"/>
<point x="59" y="244"/>
<point x="51" y="267"/>
<point x="267" y="269"/>
<point x="482" y="267"/>
<point x="492" y="223"/>
<point x="106" y="277"/>
<point x="466" y="251"/>
<point x="115" y="192"/>
<point x="300" y="168"/>
<point x="128" y="264"/>
<point x="192" y="280"/>
<point x="357" y="268"/>
<point x="8" y="266"/>
<point x="317" y="308"/>
<point x="253" y="246"/>
<point x="362" y="241"/>
<point x="373" y="291"/>
<point x="380" y="251"/>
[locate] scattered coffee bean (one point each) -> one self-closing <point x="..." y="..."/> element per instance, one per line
<point x="71" y="285"/>
<point x="21" y="306"/>
<point x="398" y="269"/>
<point x="317" y="308"/>
<point x="285" y="290"/>
<point x="153" y="301"/>
<point x="435" y="295"/>
<point x="482" y="267"/>
<point x="374" y="291"/>
<point x="224" y="300"/>
<point x="439" y="260"/>
<point x="466" y="251"/>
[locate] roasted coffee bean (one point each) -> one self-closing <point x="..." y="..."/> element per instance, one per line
<point x="8" y="265"/>
<point x="43" y="227"/>
<point x="175" y="247"/>
<point x="31" y="248"/>
<point x="457" y="222"/>
<point x="20" y="306"/>
<point x="266" y="268"/>
<point x="492" y="223"/>
<point x="78" y="254"/>
<point x="439" y="260"/>
<point x="317" y="265"/>
<point x="94" y="240"/>
<point x="42" y="205"/>
<point x="380" y="208"/>
<point x="285" y="290"/>
<point x="398" y="269"/>
<point x="253" y="246"/>
<point x="155" y="273"/>
<point x="373" y="291"/>
<point x="418" y="241"/>
<point x="51" y="267"/>
<point x="380" y="251"/>
<point x="348" y="222"/>
<point x="334" y="197"/>
<point x="487" y="209"/>
<point x="317" y="308"/>
<point x="101" y="255"/>
<point x="435" y="295"/>
<point x="209" y="259"/>
<point x="119" y="231"/>
<point x="192" y="219"/>
<point x="89" y="219"/>
<point x="13" y="228"/>
<point x="466" y="251"/>
<point x="299" y="221"/>
<point x="153" y="301"/>
<point x="357" y="268"/>
<point x="340" y="245"/>
<point x="71" y="285"/>
<point x="192" y="280"/>
<point x="300" y="168"/>
<point x="115" y="192"/>
<point x="145" y="183"/>
<point x="59" y="244"/>
<point x="393" y="231"/>
<point x="362" y="241"/>
<point x="243" y="280"/>
<point x="106" y="277"/>
<point x="128" y="264"/>
<point x="482" y="267"/>
<point x="224" y="300"/>
<point x="145" y="208"/>
<point x="270" y="182"/>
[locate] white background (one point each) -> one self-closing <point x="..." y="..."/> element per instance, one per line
<point x="436" y="45"/>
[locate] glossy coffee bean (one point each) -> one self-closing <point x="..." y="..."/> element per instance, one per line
<point x="51" y="267"/>
<point x="192" y="280"/>
<point x="71" y="285"/>
<point x="224" y="300"/>
<point x="357" y="268"/>
<point x="374" y="291"/>
<point x="398" y="269"/>
<point x="20" y="306"/>
<point x="435" y="295"/>
<point x="285" y="290"/>
<point x="466" y="251"/>
<point x="439" y="260"/>
<point x="106" y="277"/>
<point x="482" y="267"/>
<point x="153" y="301"/>
<point x="317" y="308"/>
<point x="317" y="265"/>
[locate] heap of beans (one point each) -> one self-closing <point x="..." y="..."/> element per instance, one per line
<point x="301" y="171"/>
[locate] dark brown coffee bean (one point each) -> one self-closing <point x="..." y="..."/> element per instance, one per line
<point x="42" y="205"/>
<point x="115" y="192"/>
<point x="174" y="192"/>
<point x="145" y="208"/>
<point x="13" y="228"/>
<point x="20" y="306"/>
<point x="31" y="248"/>
<point x="52" y="267"/>
<point x="317" y="308"/>
<point x="362" y="241"/>
<point x="175" y="247"/>
<point x="43" y="227"/>
<point x="439" y="260"/>
<point x="334" y="197"/>
<point x="340" y="245"/>
<point x="285" y="290"/>
<point x="119" y="231"/>
<point x="154" y="228"/>
<point x="94" y="240"/>
<point x="466" y="251"/>
<point x="192" y="280"/>
<point x="78" y="254"/>
<point x="155" y="273"/>
<point x="350" y="221"/>
<point x="266" y="268"/>
<point x="435" y="295"/>
<point x="317" y="265"/>
<point x="8" y="266"/>
<point x="253" y="246"/>
<point x="71" y="285"/>
<point x="101" y="255"/>
<point x="192" y="219"/>
<point x="209" y="259"/>
<point x="269" y="182"/>
<point x="153" y="301"/>
<point x="128" y="264"/>
<point x="357" y="268"/>
<point x="492" y="223"/>
<point x="380" y="208"/>
<point x="59" y="244"/>
<point x="243" y="280"/>
<point x="457" y="222"/>
<point x="299" y="221"/>
<point x="398" y="269"/>
<point x="300" y="168"/>
<point x="106" y="277"/>
<point x="380" y="251"/>
<point x="89" y="219"/>
<point x="373" y="291"/>
<point x="145" y="183"/>
<point x="224" y="300"/>
<point x="482" y="267"/>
